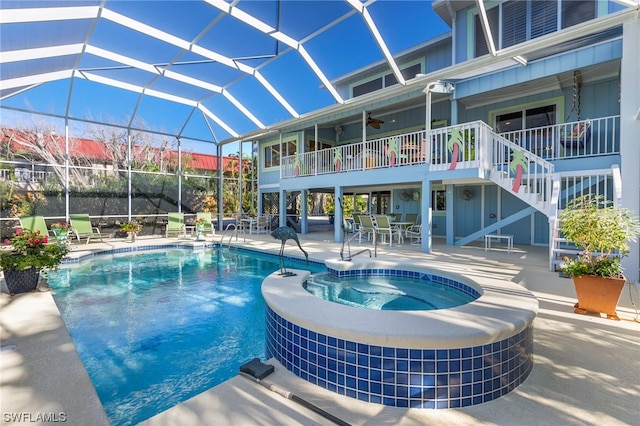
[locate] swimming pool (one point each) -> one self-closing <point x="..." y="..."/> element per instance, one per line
<point x="154" y="328"/>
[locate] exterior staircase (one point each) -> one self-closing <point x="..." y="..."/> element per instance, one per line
<point x="533" y="180"/>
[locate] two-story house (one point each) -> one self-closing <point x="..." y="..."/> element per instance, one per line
<point x="521" y="107"/>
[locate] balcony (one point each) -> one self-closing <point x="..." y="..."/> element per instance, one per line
<point x="468" y="145"/>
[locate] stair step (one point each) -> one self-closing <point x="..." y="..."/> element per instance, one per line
<point x="565" y="251"/>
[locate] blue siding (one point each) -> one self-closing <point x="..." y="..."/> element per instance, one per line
<point x="566" y="62"/>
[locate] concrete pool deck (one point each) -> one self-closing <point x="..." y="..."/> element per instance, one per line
<point x="586" y="368"/>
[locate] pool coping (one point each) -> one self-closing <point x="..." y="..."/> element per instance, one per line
<point x="502" y="310"/>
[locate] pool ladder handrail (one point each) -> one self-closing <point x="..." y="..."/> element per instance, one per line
<point x="347" y="242"/>
<point x="234" y="233"/>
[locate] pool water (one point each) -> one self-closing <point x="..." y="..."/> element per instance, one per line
<point x="386" y="292"/>
<point x="155" y="328"/>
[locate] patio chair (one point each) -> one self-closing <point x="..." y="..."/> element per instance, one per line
<point x="415" y="233"/>
<point x="384" y="228"/>
<point x="260" y="225"/>
<point x="366" y="227"/>
<point x="82" y="228"/>
<point x="208" y="227"/>
<point x="175" y="224"/>
<point x="36" y="224"/>
<point x="411" y="217"/>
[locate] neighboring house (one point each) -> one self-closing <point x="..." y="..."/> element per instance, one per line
<point x="29" y="165"/>
<point x="496" y="128"/>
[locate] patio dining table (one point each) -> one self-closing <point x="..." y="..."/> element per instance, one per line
<point x="402" y="226"/>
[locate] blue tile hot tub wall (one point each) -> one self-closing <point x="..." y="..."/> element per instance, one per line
<point x="402" y="377"/>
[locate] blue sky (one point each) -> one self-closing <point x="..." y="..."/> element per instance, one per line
<point x="337" y="47"/>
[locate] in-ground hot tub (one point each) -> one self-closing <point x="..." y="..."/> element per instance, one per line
<point x="443" y="358"/>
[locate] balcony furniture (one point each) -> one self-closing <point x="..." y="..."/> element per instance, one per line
<point x="580" y="134"/>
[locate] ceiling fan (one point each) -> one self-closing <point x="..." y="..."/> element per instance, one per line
<point x="373" y="122"/>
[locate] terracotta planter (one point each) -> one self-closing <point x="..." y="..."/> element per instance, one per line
<point x="598" y="294"/>
<point x="21" y="281"/>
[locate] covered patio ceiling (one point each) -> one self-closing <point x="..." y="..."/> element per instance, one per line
<point x="207" y="70"/>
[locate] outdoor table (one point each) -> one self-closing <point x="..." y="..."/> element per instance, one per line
<point x="402" y="225"/>
<point x="489" y="237"/>
<point x="249" y="222"/>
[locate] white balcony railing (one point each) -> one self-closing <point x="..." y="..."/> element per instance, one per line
<point x="467" y="145"/>
<point x="24" y="175"/>
<point x="585" y="138"/>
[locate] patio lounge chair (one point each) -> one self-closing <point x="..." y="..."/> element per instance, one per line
<point x="35" y="224"/>
<point x="81" y="226"/>
<point x="207" y="226"/>
<point x="175" y="224"/>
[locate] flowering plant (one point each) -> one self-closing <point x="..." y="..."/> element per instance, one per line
<point x="62" y="226"/>
<point x="30" y="249"/>
<point x="134" y="227"/>
<point x="200" y="221"/>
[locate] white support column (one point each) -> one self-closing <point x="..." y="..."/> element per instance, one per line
<point x="220" y="175"/>
<point x="179" y="176"/>
<point x="629" y="131"/>
<point x="66" y="168"/>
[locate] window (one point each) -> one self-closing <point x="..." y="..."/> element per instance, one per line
<point x="516" y="21"/>
<point x="527" y="118"/>
<point x="272" y="153"/>
<point x="439" y="200"/>
<point x="387" y="80"/>
<point x="311" y="146"/>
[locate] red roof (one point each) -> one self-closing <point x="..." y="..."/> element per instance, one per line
<point x="96" y="150"/>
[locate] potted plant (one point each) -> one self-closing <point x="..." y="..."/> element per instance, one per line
<point x="61" y="231"/>
<point x="199" y="224"/>
<point x="603" y="232"/>
<point x="132" y="229"/>
<point x="27" y="255"/>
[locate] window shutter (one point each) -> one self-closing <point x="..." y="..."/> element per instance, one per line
<point x="481" y="46"/>
<point x="577" y="11"/>
<point x="481" y="43"/>
<point x="514" y="23"/>
<point x="544" y="17"/>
